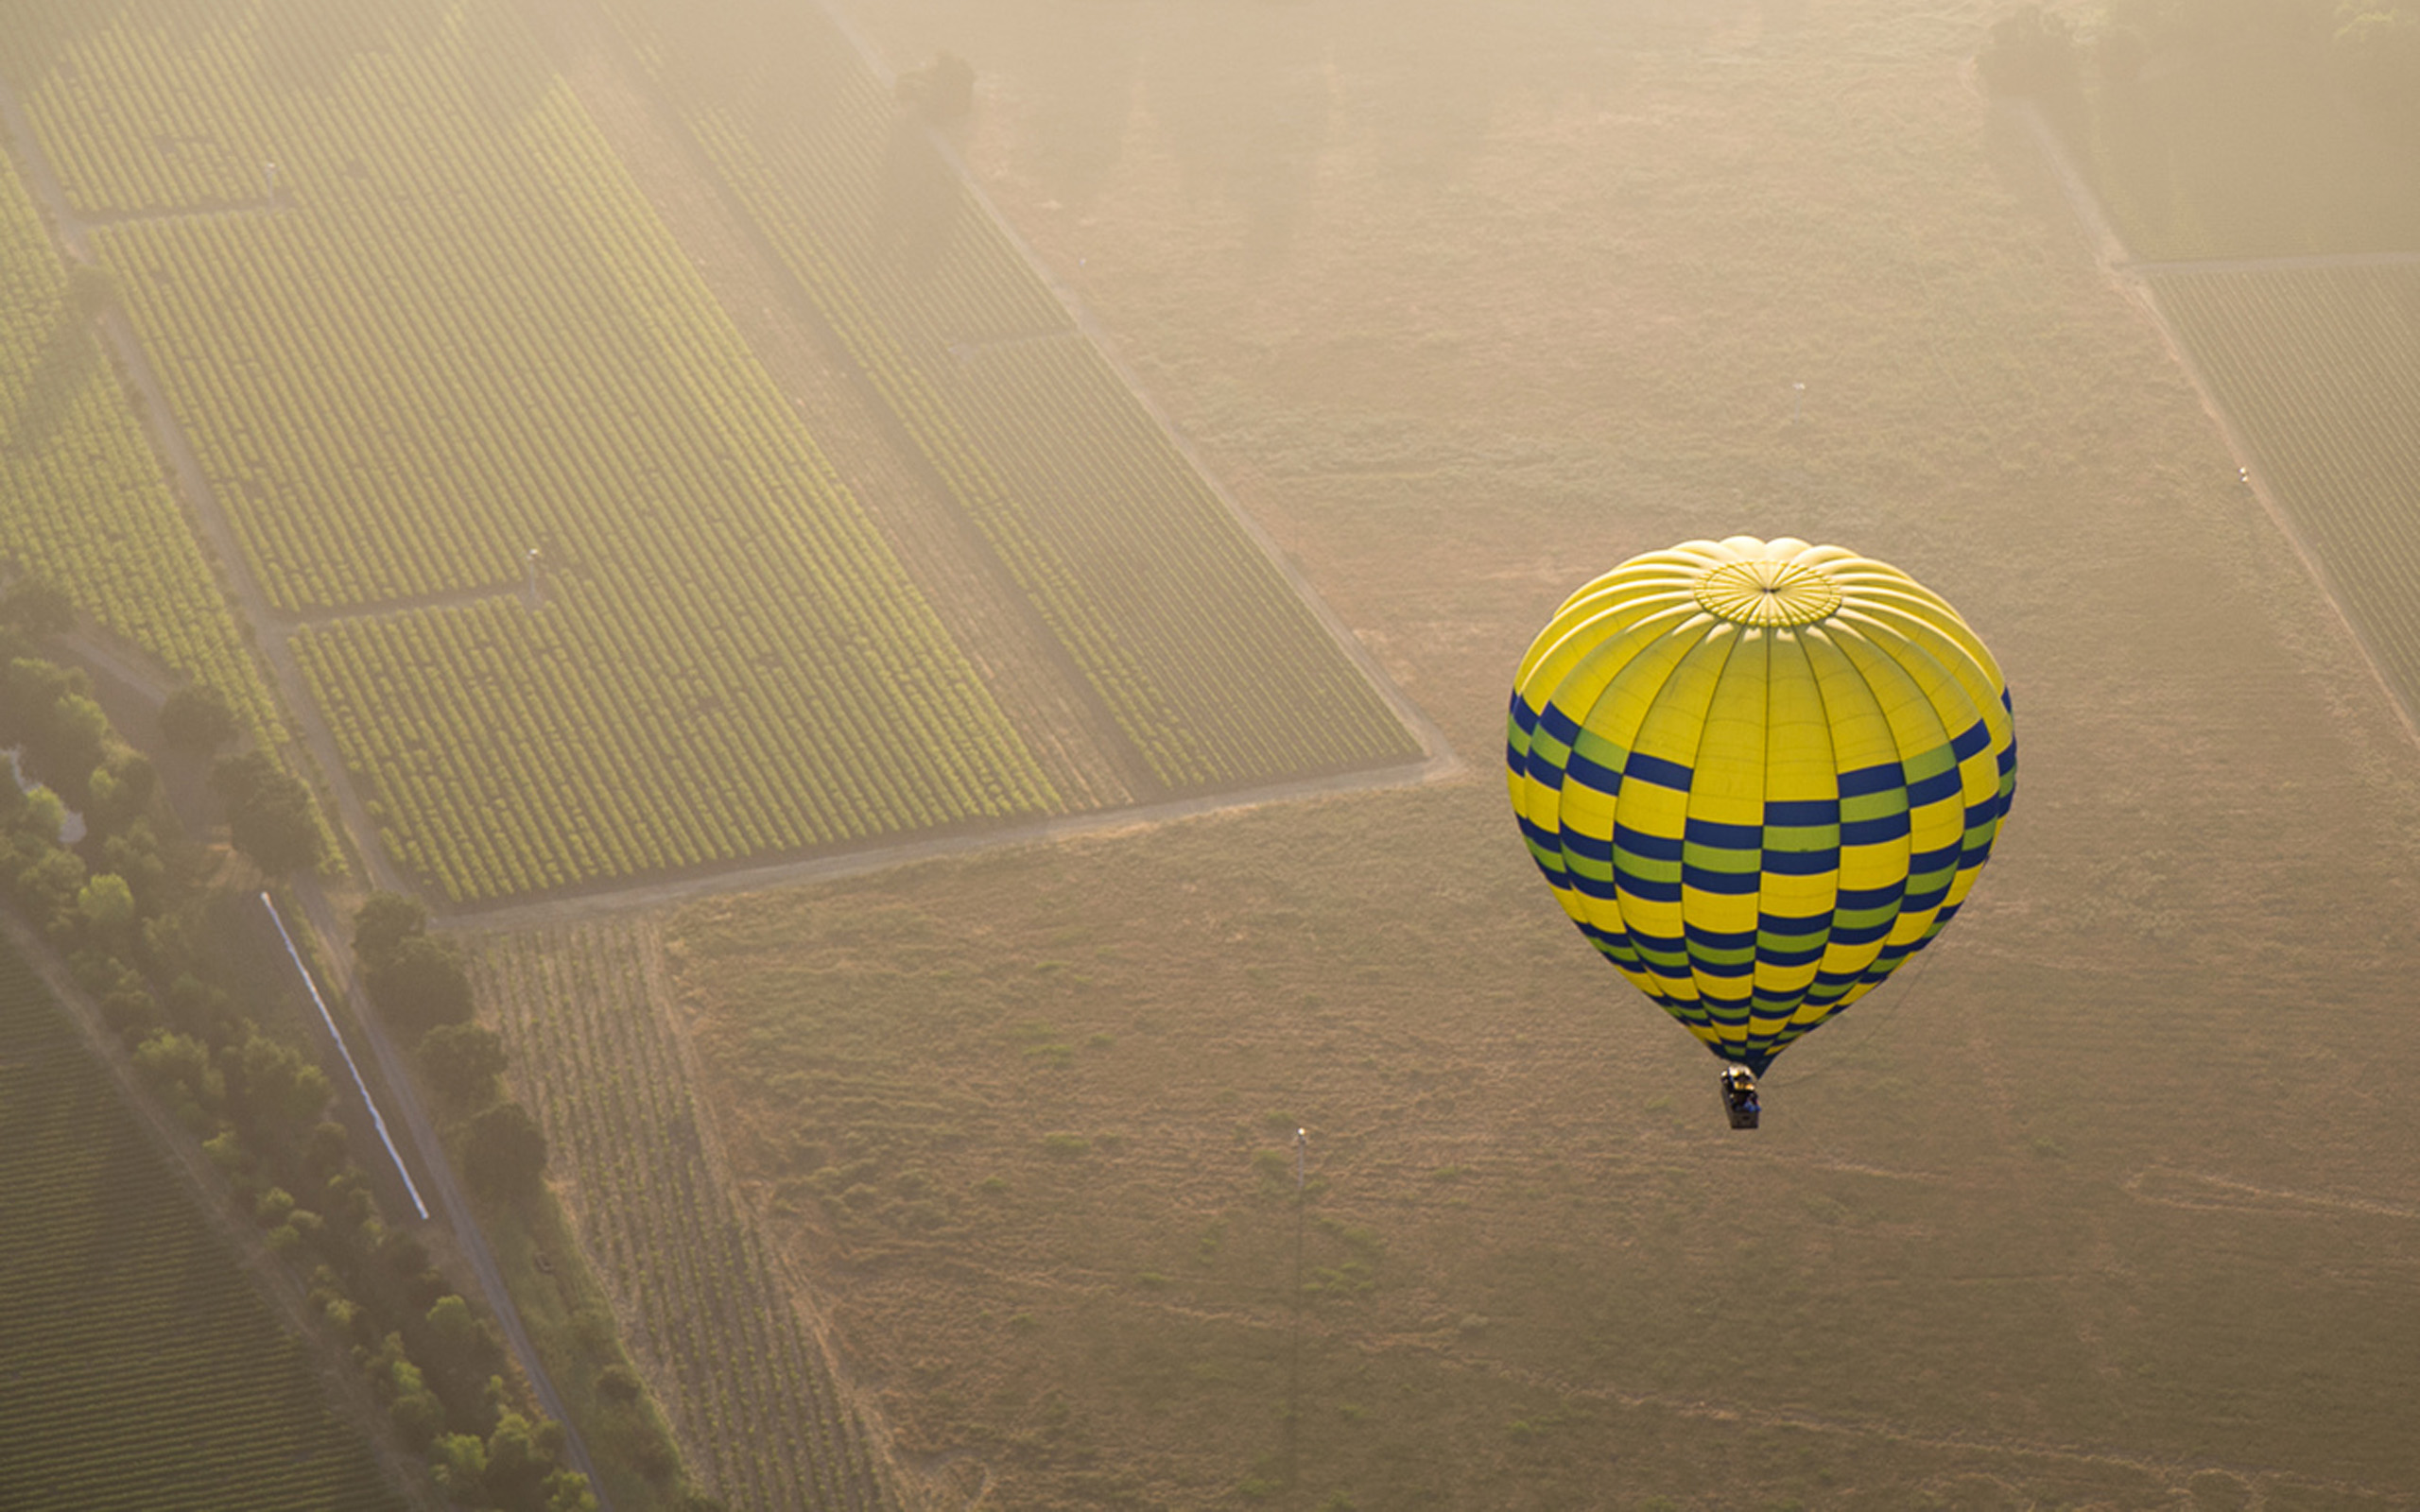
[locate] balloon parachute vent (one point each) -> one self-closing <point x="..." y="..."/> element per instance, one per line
<point x="1769" y="594"/>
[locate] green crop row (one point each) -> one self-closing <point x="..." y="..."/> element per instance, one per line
<point x="509" y="751"/>
<point x="142" y="1371"/>
<point x="2319" y="368"/>
<point x="82" y="503"/>
<point x="1209" y="661"/>
<point x="463" y="335"/>
<point x="760" y="1416"/>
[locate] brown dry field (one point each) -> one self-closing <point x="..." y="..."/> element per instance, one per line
<point x="2107" y="1201"/>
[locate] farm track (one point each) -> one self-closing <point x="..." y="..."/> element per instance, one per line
<point x="616" y="899"/>
<point x="2312" y="262"/>
<point x="320" y="917"/>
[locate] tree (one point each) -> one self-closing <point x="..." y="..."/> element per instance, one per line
<point x="196" y="719"/>
<point x="269" y="812"/>
<point x="107" y="906"/>
<point x="462" y="1062"/>
<point x="943" y="88"/>
<point x="2029" y="51"/>
<point x="505" y="1153"/>
<point x="178" y="1066"/>
<point x="277" y="1090"/>
<point x="382" y="924"/>
<point x="67" y="741"/>
<point x="567" y="1491"/>
<point x="39" y="607"/>
<point x="28" y="690"/>
<point x="2376" y="49"/>
<point x="119" y="790"/>
<point x="460" y="1462"/>
<point x="135" y="854"/>
<point x="458" y="1341"/>
<point x="520" y="1458"/>
<point x="418" y="987"/>
<point x="47" y="889"/>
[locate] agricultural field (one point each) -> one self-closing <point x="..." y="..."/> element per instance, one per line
<point x="142" y="1371"/>
<point x="2319" y="369"/>
<point x="2102" y="1204"/>
<point x="82" y="503"/>
<point x="1196" y="645"/>
<point x="455" y="336"/>
<point x="702" y="1302"/>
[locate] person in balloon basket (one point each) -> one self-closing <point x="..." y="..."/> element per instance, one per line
<point x="1739" y="1097"/>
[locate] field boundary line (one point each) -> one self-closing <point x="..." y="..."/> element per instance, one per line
<point x="2134" y="281"/>
<point x="2302" y="262"/>
<point x="1432" y="740"/>
<point x="608" y="899"/>
<point x="330" y="1360"/>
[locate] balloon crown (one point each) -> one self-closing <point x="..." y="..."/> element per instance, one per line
<point x="1767" y="594"/>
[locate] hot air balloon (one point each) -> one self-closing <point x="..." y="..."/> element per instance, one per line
<point x="1758" y="776"/>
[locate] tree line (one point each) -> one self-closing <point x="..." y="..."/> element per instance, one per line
<point x="2369" y="50"/>
<point x="127" y="905"/>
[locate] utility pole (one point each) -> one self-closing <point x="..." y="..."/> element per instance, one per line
<point x="1294" y="1353"/>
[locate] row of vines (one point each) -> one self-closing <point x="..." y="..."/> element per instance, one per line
<point x="746" y="1382"/>
<point x="458" y="337"/>
<point x="142" y="1370"/>
<point x="1210" y="662"/>
<point x="82" y="503"/>
<point x="2320" y="369"/>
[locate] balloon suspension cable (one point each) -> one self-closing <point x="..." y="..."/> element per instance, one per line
<point x="1892" y="1011"/>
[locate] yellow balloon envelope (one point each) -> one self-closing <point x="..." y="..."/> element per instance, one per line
<point x="1759" y="775"/>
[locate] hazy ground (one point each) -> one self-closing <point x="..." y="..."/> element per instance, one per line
<point x="2108" y="1201"/>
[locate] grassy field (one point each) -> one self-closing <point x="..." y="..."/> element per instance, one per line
<point x="2105" y="1204"/>
<point x="142" y="1370"/>
<point x="747" y="1381"/>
